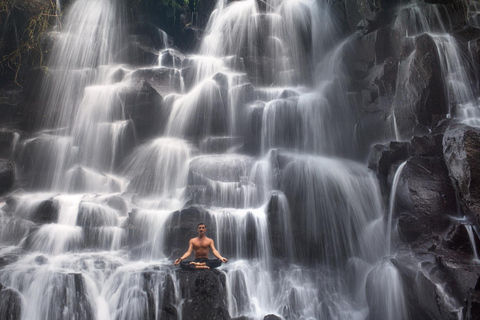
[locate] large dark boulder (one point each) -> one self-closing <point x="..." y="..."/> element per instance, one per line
<point x="181" y="227"/>
<point x="143" y="105"/>
<point x="271" y="317"/>
<point x="7" y="175"/>
<point x="204" y="293"/>
<point x="423" y="298"/>
<point x="425" y="199"/>
<point x="461" y="147"/>
<point x="45" y="212"/>
<point x="421" y="91"/>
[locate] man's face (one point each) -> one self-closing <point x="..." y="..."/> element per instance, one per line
<point x="201" y="229"/>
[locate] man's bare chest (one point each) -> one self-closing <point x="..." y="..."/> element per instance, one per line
<point x="201" y="245"/>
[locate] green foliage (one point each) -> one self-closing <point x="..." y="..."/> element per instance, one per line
<point x="29" y="51"/>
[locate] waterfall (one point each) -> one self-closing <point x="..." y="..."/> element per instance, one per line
<point x="252" y="132"/>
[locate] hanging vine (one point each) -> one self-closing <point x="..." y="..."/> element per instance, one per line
<point x="29" y="51"/>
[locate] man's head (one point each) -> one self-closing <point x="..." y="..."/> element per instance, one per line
<point x="201" y="228"/>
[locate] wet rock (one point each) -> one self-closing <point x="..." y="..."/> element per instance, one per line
<point x="428" y="145"/>
<point x="7" y="175"/>
<point x="473" y="304"/>
<point x="420" y="93"/>
<point x="390" y="69"/>
<point x="8" y="259"/>
<point x="204" y="293"/>
<point x="271" y="317"/>
<point x="116" y="202"/>
<point x="182" y="226"/>
<point x="150" y="36"/>
<point x="7" y="140"/>
<point x="465" y="33"/>
<point x="149" y="299"/>
<point x="459" y="278"/>
<point x="238" y="289"/>
<point x="92" y="215"/>
<point x="167" y="310"/>
<point x="171" y="58"/>
<point x="163" y="80"/>
<point x="422" y="297"/>
<point x="461" y="147"/>
<point x="425" y="199"/>
<point x="143" y="105"/>
<point x="189" y="74"/>
<point x="10" y="304"/>
<point x="382" y="156"/>
<point x="458" y="239"/>
<point x="373" y="126"/>
<point x="69" y="297"/>
<point x="118" y="75"/>
<point x="45" y="212"/>
<point x="41" y="260"/>
<point x="277" y="236"/>
<point x="372" y="47"/>
<point x="139" y="51"/>
<point x="190" y="37"/>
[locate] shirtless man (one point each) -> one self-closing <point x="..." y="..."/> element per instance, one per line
<point x="201" y="245"/>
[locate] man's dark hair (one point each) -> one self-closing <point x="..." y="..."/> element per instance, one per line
<point x="200" y="224"/>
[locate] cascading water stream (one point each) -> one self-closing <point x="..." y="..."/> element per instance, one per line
<point x="435" y="21"/>
<point x="391" y="204"/>
<point x="472" y="240"/>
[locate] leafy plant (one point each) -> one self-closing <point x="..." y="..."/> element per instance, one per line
<point x="29" y="51"/>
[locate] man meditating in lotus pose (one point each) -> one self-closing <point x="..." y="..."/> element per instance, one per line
<point x="201" y="245"/>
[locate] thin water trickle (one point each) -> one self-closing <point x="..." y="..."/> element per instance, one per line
<point x="391" y="204"/>
<point x="471" y="236"/>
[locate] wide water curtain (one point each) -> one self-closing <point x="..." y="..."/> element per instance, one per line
<point x="84" y="127"/>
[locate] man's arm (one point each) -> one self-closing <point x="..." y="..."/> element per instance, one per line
<point x="216" y="253"/>
<point x="186" y="254"/>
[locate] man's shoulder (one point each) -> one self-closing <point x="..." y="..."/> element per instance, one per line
<point x="209" y="240"/>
